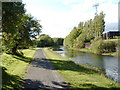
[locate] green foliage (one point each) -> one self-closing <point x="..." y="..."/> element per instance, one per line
<point x="108" y="46"/>
<point x="117" y="37"/>
<point x="58" y="41"/>
<point x="69" y="40"/>
<point x="31" y="29"/>
<point x="96" y="46"/>
<point x="79" y="42"/>
<point x="11" y="22"/>
<point x="18" y="28"/>
<point x="12" y="13"/>
<point x="44" y="41"/>
<point x="85" y="32"/>
<point x="99" y="24"/>
<point x="101" y="46"/>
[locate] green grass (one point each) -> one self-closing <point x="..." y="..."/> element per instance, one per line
<point x="14" y="68"/>
<point x="79" y="76"/>
<point x="115" y="40"/>
<point x="91" y="51"/>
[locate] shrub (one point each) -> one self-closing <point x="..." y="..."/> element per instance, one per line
<point x="108" y="46"/>
<point x="101" y="46"/>
<point x="117" y="37"/>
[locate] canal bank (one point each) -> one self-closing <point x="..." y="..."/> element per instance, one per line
<point x="79" y="76"/>
<point x="109" y="64"/>
<point x="89" y="50"/>
<point x="109" y="47"/>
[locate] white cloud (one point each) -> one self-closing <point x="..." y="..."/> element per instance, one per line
<point x="59" y="23"/>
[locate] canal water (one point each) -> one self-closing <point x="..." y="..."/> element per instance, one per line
<point x="108" y="63"/>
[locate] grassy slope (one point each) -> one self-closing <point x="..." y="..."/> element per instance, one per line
<point x="14" y="68"/>
<point x="79" y="76"/>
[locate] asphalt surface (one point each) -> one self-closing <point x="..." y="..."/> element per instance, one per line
<point x="42" y="75"/>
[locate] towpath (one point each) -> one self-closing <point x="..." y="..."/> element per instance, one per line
<point x="42" y="75"/>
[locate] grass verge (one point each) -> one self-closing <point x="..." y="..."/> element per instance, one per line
<point x="14" y="68"/>
<point x="79" y="76"/>
<point x="91" y="51"/>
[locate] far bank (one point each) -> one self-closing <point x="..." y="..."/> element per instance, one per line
<point x="108" y="47"/>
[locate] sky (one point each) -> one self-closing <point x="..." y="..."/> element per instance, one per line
<point x="58" y="17"/>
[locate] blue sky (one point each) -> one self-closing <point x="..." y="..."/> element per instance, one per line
<point x="58" y="17"/>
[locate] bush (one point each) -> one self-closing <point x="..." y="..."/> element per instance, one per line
<point x="108" y="46"/>
<point x="101" y="46"/>
<point x="117" y="37"/>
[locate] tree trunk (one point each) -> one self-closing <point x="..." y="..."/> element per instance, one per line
<point x="14" y="49"/>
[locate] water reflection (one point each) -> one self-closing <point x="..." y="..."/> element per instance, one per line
<point x="71" y="54"/>
<point x="108" y="63"/>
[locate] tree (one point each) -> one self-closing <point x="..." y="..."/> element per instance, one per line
<point x="11" y="21"/>
<point x="18" y="28"/>
<point x="85" y="32"/>
<point x="99" y="24"/>
<point x="58" y="41"/>
<point x="69" y="40"/>
<point x="44" y="41"/>
<point x="80" y="27"/>
<point x="30" y="29"/>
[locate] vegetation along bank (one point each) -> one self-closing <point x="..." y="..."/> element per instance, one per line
<point x="79" y="76"/>
<point x="88" y="37"/>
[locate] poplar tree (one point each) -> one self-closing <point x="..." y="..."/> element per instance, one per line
<point x="85" y="32"/>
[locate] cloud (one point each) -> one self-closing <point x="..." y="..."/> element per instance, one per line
<point x="59" y="23"/>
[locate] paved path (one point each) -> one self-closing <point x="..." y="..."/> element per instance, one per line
<point x="41" y="74"/>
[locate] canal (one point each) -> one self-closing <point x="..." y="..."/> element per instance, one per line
<point x="108" y="63"/>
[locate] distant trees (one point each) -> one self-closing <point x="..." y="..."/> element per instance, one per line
<point x="58" y="41"/>
<point x="18" y="28"/>
<point x="46" y="41"/>
<point x="85" y="32"/>
<point x="70" y="39"/>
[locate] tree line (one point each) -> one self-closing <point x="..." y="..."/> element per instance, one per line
<point x="18" y="28"/>
<point x="46" y="41"/>
<point x="86" y="32"/>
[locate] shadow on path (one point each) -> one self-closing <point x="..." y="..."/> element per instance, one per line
<point x="61" y="65"/>
<point x="38" y="85"/>
<point x="42" y="75"/>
